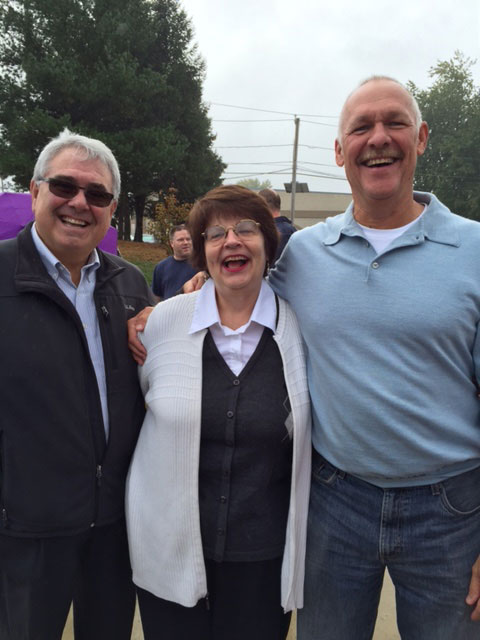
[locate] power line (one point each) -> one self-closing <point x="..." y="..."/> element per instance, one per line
<point x="278" y="172"/>
<point x="283" y="113"/>
<point x="286" y="162"/>
<point x="276" y="120"/>
<point x="255" y="146"/>
<point x="267" y="146"/>
<point x="320" y="124"/>
<point x="285" y="172"/>
<point x="227" y="175"/>
<point x="327" y="176"/>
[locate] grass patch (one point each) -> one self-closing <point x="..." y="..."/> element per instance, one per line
<point x="144" y="255"/>
<point x="146" y="268"/>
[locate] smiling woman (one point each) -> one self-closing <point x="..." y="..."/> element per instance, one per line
<point x="234" y="238"/>
<point x="218" y="473"/>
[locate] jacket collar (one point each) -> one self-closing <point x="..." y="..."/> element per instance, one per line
<point x="30" y="270"/>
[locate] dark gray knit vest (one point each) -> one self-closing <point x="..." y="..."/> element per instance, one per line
<point x="245" y="455"/>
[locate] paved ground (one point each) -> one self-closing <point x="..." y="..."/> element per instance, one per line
<point x="386" y="628"/>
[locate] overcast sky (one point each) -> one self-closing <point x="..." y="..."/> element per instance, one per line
<point x="304" y="57"/>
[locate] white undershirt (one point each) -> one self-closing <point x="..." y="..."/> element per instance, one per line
<point x="235" y="346"/>
<point x="380" y="239"/>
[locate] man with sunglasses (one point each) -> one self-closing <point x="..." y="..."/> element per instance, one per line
<point x="71" y="404"/>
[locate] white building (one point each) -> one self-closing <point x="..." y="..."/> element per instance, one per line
<point x="314" y="206"/>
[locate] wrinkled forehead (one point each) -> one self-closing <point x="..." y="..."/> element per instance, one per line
<point x="374" y="98"/>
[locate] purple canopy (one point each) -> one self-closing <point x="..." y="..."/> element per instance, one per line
<point x="16" y="213"/>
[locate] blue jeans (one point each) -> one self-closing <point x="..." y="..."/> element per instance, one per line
<point x="427" y="536"/>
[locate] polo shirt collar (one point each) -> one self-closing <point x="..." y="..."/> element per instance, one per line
<point x="438" y="224"/>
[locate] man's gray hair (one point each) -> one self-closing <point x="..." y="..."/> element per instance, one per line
<point x="91" y="148"/>
<point x="414" y="104"/>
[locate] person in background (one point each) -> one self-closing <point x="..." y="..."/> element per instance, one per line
<point x="171" y="273"/>
<point x="284" y="225"/>
<point x="217" y="492"/>
<point x="71" y="404"/>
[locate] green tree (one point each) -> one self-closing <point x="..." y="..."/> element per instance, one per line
<point x="125" y="71"/>
<point x="254" y="184"/>
<point x="450" y="166"/>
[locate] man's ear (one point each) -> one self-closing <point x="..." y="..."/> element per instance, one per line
<point x="422" y="139"/>
<point x="34" y="193"/>
<point x="339" y="154"/>
<point x="113" y="208"/>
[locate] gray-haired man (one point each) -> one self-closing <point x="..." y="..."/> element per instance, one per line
<point x="71" y="405"/>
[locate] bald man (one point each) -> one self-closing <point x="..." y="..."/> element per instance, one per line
<point x="388" y="298"/>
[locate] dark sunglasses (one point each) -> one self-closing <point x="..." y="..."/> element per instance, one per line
<point x="68" y="190"/>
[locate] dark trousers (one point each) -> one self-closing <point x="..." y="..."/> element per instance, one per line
<point x="40" y="577"/>
<point x="243" y="603"/>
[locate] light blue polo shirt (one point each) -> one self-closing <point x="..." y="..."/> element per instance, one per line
<point x="392" y="343"/>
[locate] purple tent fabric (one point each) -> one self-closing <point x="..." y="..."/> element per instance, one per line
<point x="16" y="213"/>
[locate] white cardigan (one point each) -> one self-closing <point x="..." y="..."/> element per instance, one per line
<point x="162" y="507"/>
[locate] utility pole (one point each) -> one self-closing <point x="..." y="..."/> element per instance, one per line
<point x="294" y="170"/>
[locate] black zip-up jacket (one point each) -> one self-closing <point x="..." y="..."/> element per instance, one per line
<point x="58" y="476"/>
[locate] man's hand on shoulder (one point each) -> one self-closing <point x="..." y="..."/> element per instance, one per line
<point x="135" y="326"/>
<point x="473" y="597"/>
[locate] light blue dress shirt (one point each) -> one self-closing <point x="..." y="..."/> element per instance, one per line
<point x="82" y="299"/>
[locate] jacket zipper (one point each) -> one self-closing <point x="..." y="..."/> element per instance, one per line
<point x="107" y="336"/>
<point x="2" y="489"/>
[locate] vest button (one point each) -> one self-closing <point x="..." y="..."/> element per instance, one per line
<point x="229" y="414"/>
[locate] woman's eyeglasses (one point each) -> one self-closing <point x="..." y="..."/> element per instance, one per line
<point x="68" y="190"/>
<point x="244" y="230"/>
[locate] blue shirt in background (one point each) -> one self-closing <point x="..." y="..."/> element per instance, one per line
<point x="170" y="275"/>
